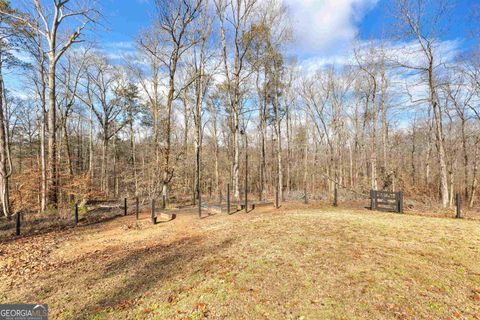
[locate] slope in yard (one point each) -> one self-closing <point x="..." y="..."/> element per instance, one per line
<point x="294" y="263"/>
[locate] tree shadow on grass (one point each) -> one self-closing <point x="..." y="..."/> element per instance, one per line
<point x="208" y="215"/>
<point x="144" y="270"/>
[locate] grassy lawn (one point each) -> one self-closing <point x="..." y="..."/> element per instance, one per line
<point x="294" y="263"/>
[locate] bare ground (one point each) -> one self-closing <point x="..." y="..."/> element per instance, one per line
<point x="298" y="262"/>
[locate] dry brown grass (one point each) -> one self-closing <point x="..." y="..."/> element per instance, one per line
<point x="295" y="263"/>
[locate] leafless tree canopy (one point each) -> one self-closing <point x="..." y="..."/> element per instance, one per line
<point x="211" y="92"/>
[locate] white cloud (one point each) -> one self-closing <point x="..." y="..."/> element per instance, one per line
<point x="408" y="53"/>
<point x="326" y="26"/>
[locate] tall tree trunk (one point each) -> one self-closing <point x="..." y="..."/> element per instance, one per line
<point x="43" y="129"/>
<point x="414" y="149"/>
<point x="43" y="160"/>
<point x="52" y="183"/>
<point x="305" y="162"/>
<point x="385" y="168"/>
<point x="186" y="167"/>
<point x="104" y="176"/>
<point x="451" y="176"/>
<point x="373" y="154"/>
<point x="289" y="178"/>
<point x="5" y="164"/>
<point x="134" y="154"/>
<point x="66" y="141"/>
<point x="473" y="188"/>
<point x="261" y="92"/>
<point x="90" y="148"/>
<point x="427" y="161"/>
<point x="236" y="156"/>
<point x="114" y="167"/>
<point x="168" y="138"/>
<point x="278" y="133"/>
<point x="440" y="149"/>
<point x="437" y="122"/>
<point x="465" y="157"/>
<point x="213" y="114"/>
<point x="198" y="126"/>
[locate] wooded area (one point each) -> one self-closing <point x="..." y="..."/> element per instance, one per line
<point x="210" y="86"/>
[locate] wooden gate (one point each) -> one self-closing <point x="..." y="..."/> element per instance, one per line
<point x="386" y="201"/>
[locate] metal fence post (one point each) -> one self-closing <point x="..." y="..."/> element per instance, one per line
<point x="459" y="206"/>
<point x="137" y="207"/>
<point x="17" y="224"/>
<point x="305" y="200"/>
<point x="125" y="206"/>
<point x="276" y="199"/>
<point x="76" y="214"/>
<point x="228" y="198"/>
<point x="401" y="201"/>
<point x="397" y="200"/>
<point x="373" y="199"/>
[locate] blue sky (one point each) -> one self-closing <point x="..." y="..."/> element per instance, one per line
<point x="380" y="18"/>
<point x="125" y="19"/>
<point x="323" y="28"/>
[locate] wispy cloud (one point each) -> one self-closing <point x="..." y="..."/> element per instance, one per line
<point x="326" y="26"/>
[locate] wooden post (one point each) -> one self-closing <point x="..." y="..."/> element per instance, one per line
<point x="398" y="199"/>
<point x="154" y="218"/>
<point x="459" y="206"/>
<point x="137" y="207"/>
<point x="276" y="199"/>
<point x="125" y="207"/>
<point x="335" y="195"/>
<point x="76" y="214"/>
<point x="17" y="224"/>
<point x="228" y="198"/>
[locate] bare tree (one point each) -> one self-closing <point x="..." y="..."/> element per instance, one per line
<point x="423" y="21"/>
<point x="101" y="95"/>
<point x="236" y="19"/>
<point x="172" y="28"/>
<point x="7" y="32"/>
<point x="47" y="21"/>
<point x="70" y="76"/>
<point x="203" y="27"/>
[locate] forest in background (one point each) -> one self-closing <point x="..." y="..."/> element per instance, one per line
<point x="211" y="87"/>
